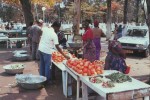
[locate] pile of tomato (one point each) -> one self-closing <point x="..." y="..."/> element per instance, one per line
<point x="58" y="57"/>
<point x="84" y="67"/>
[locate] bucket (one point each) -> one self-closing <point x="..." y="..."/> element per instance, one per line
<point x="127" y="70"/>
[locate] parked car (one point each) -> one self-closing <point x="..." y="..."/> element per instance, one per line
<point x="136" y="40"/>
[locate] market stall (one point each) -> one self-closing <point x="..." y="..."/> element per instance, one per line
<point x="126" y="90"/>
<point x="125" y="87"/>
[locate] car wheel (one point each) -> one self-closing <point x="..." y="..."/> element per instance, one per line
<point x="146" y="52"/>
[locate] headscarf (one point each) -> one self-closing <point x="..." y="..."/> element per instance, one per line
<point x="96" y="23"/>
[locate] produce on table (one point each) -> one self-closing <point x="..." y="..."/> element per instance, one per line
<point x="108" y="84"/>
<point x="119" y="77"/>
<point x="96" y="79"/>
<point x="84" y="67"/>
<point x="58" y="57"/>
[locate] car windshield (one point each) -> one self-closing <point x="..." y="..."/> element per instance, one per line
<point x="137" y="32"/>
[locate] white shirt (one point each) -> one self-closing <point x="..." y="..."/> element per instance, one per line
<point x="48" y="40"/>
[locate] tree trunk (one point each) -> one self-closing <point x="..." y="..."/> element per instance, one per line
<point x="108" y="33"/>
<point x="76" y="21"/>
<point x="125" y="12"/>
<point x="26" y="7"/>
<point x="137" y="11"/>
<point x="148" y="18"/>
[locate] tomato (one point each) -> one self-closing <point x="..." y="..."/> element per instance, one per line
<point x="89" y="72"/>
<point x="85" y="70"/>
<point x="89" y="67"/>
<point x="79" y="71"/>
<point x="81" y="63"/>
<point x="99" y="72"/>
<point x="93" y="71"/>
<point x="87" y="63"/>
<point x="84" y="74"/>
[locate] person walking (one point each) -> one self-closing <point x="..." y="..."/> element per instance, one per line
<point x="36" y="33"/>
<point x="97" y="34"/>
<point x="48" y="42"/>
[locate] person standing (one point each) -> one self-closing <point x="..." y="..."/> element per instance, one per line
<point x="36" y="33"/>
<point x="61" y="36"/>
<point x="89" y="49"/>
<point x="29" y="32"/>
<point x="119" y="33"/>
<point x="97" y="33"/>
<point x="48" y="41"/>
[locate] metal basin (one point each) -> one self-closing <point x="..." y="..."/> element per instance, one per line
<point x="30" y="81"/>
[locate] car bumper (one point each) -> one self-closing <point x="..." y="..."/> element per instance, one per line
<point x="134" y="48"/>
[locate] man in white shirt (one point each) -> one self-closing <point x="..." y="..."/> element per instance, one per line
<point x="48" y="41"/>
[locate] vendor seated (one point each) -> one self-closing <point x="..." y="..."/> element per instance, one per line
<point x="115" y="59"/>
<point x="61" y="36"/>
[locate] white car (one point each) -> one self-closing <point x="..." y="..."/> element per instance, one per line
<point x="136" y="39"/>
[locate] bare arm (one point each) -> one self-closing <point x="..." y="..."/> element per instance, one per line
<point x="59" y="49"/>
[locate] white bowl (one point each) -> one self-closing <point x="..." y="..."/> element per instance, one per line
<point x="14" y="68"/>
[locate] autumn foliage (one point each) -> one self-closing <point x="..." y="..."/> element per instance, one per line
<point x="114" y="6"/>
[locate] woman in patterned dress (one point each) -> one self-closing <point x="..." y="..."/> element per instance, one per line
<point x="115" y="59"/>
<point x="89" y="49"/>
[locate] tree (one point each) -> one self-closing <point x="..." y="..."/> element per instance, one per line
<point x="26" y="7"/>
<point x="137" y="10"/>
<point x="125" y="11"/>
<point x="108" y="34"/>
<point x="148" y="19"/>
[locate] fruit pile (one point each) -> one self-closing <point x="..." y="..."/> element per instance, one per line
<point x="58" y="57"/>
<point x="84" y="67"/>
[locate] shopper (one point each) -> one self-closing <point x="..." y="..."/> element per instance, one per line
<point x="115" y="59"/>
<point x="61" y="36"/>
<point x="29" y="32"/>
<point x="48" y="42"/>
<point x="89" y="49"/>
<point x="36" y="33"/>
<point x="97" y="34"/>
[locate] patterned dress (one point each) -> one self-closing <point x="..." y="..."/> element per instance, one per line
<point x="115" y="59"/>
<point x="89" y="50"/>
<point x="98" y="47"/>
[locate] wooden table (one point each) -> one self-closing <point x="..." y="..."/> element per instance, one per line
<point x="11" y="40"/>
<point x="76" y="77"/>
<point x="66" y="91"/>
<point x="121" y="91"/>
<point x="4" y="39"/>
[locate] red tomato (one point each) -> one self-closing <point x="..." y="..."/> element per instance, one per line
<point x="85" y="70"/>
<point x="79" y="71"/>
<point x="89" y="73"/>
<point x="84" y="74"/>
<point x="81" y="63"/>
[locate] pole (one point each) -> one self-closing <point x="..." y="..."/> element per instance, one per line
<point x="43" y="16"/>
<point x="36" y="11"/>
